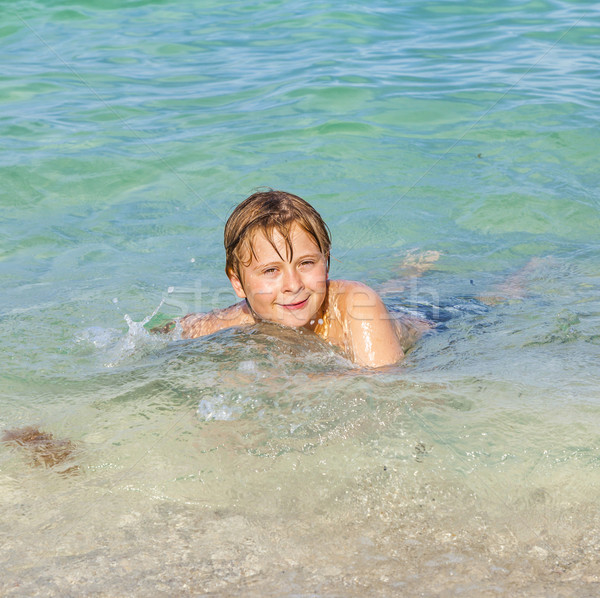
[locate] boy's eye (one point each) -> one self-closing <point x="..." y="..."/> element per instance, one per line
<point x="307" y="262"/>
<point x="270" y="271"/>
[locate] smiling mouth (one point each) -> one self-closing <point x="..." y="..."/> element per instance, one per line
<point x="298" y="305"/>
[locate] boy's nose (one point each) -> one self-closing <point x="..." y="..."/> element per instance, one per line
<point x="292" y="282"/>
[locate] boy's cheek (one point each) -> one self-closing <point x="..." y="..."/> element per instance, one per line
<point x="320" y="285"/>
<point x="261" y="294"/>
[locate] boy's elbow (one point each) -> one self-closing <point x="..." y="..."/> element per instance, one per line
<point x="378" y="356"/>
<point x="392" y="358"/>
<point x="380" y="363"/>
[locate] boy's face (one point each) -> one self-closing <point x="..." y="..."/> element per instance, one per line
<point x="279" y="290"/>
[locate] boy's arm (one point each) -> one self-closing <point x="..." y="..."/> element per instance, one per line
<point x="371" y="329"/>
<point x="195" y="325"/>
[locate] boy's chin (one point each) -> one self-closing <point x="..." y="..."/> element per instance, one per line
<point x="297" y="319"/>
<point x="289" y="322"/>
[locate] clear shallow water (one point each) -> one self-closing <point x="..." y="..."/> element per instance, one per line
<point x="262" y="462"/>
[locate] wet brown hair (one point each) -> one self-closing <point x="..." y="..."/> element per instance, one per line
<point x="269" y="211"/>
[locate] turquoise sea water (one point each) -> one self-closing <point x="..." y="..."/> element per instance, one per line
<point x="262" y="462"/>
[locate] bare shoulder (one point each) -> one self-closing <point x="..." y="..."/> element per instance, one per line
<point x="195" y="325"/>
<point x="365" y="326"/>
<point x="342" y="286"/>
<point x="357" y="300"/>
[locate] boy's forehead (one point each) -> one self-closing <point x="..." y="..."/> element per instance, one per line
<point x="264" y="248"/>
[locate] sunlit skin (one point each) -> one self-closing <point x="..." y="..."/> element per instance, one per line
<point x="294" y="290"/>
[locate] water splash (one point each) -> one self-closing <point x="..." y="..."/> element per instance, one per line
<point x="137" y="341"/>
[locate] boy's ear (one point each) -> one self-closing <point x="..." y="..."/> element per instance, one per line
<point x="236" y="283"/>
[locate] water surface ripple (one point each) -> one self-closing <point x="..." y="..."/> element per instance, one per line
<point x="261" y="462"/>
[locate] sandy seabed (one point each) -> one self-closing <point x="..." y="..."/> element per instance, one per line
<point x="367" y="536"/>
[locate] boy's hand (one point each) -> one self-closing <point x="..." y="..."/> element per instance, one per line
<point x="164" y="329"/>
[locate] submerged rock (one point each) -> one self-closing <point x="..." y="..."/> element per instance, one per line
<point x="44" y="449"/>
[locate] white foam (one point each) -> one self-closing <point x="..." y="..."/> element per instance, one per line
<point x="215" y="409"/>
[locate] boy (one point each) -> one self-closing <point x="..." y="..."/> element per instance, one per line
<point x="277" y="260"/>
